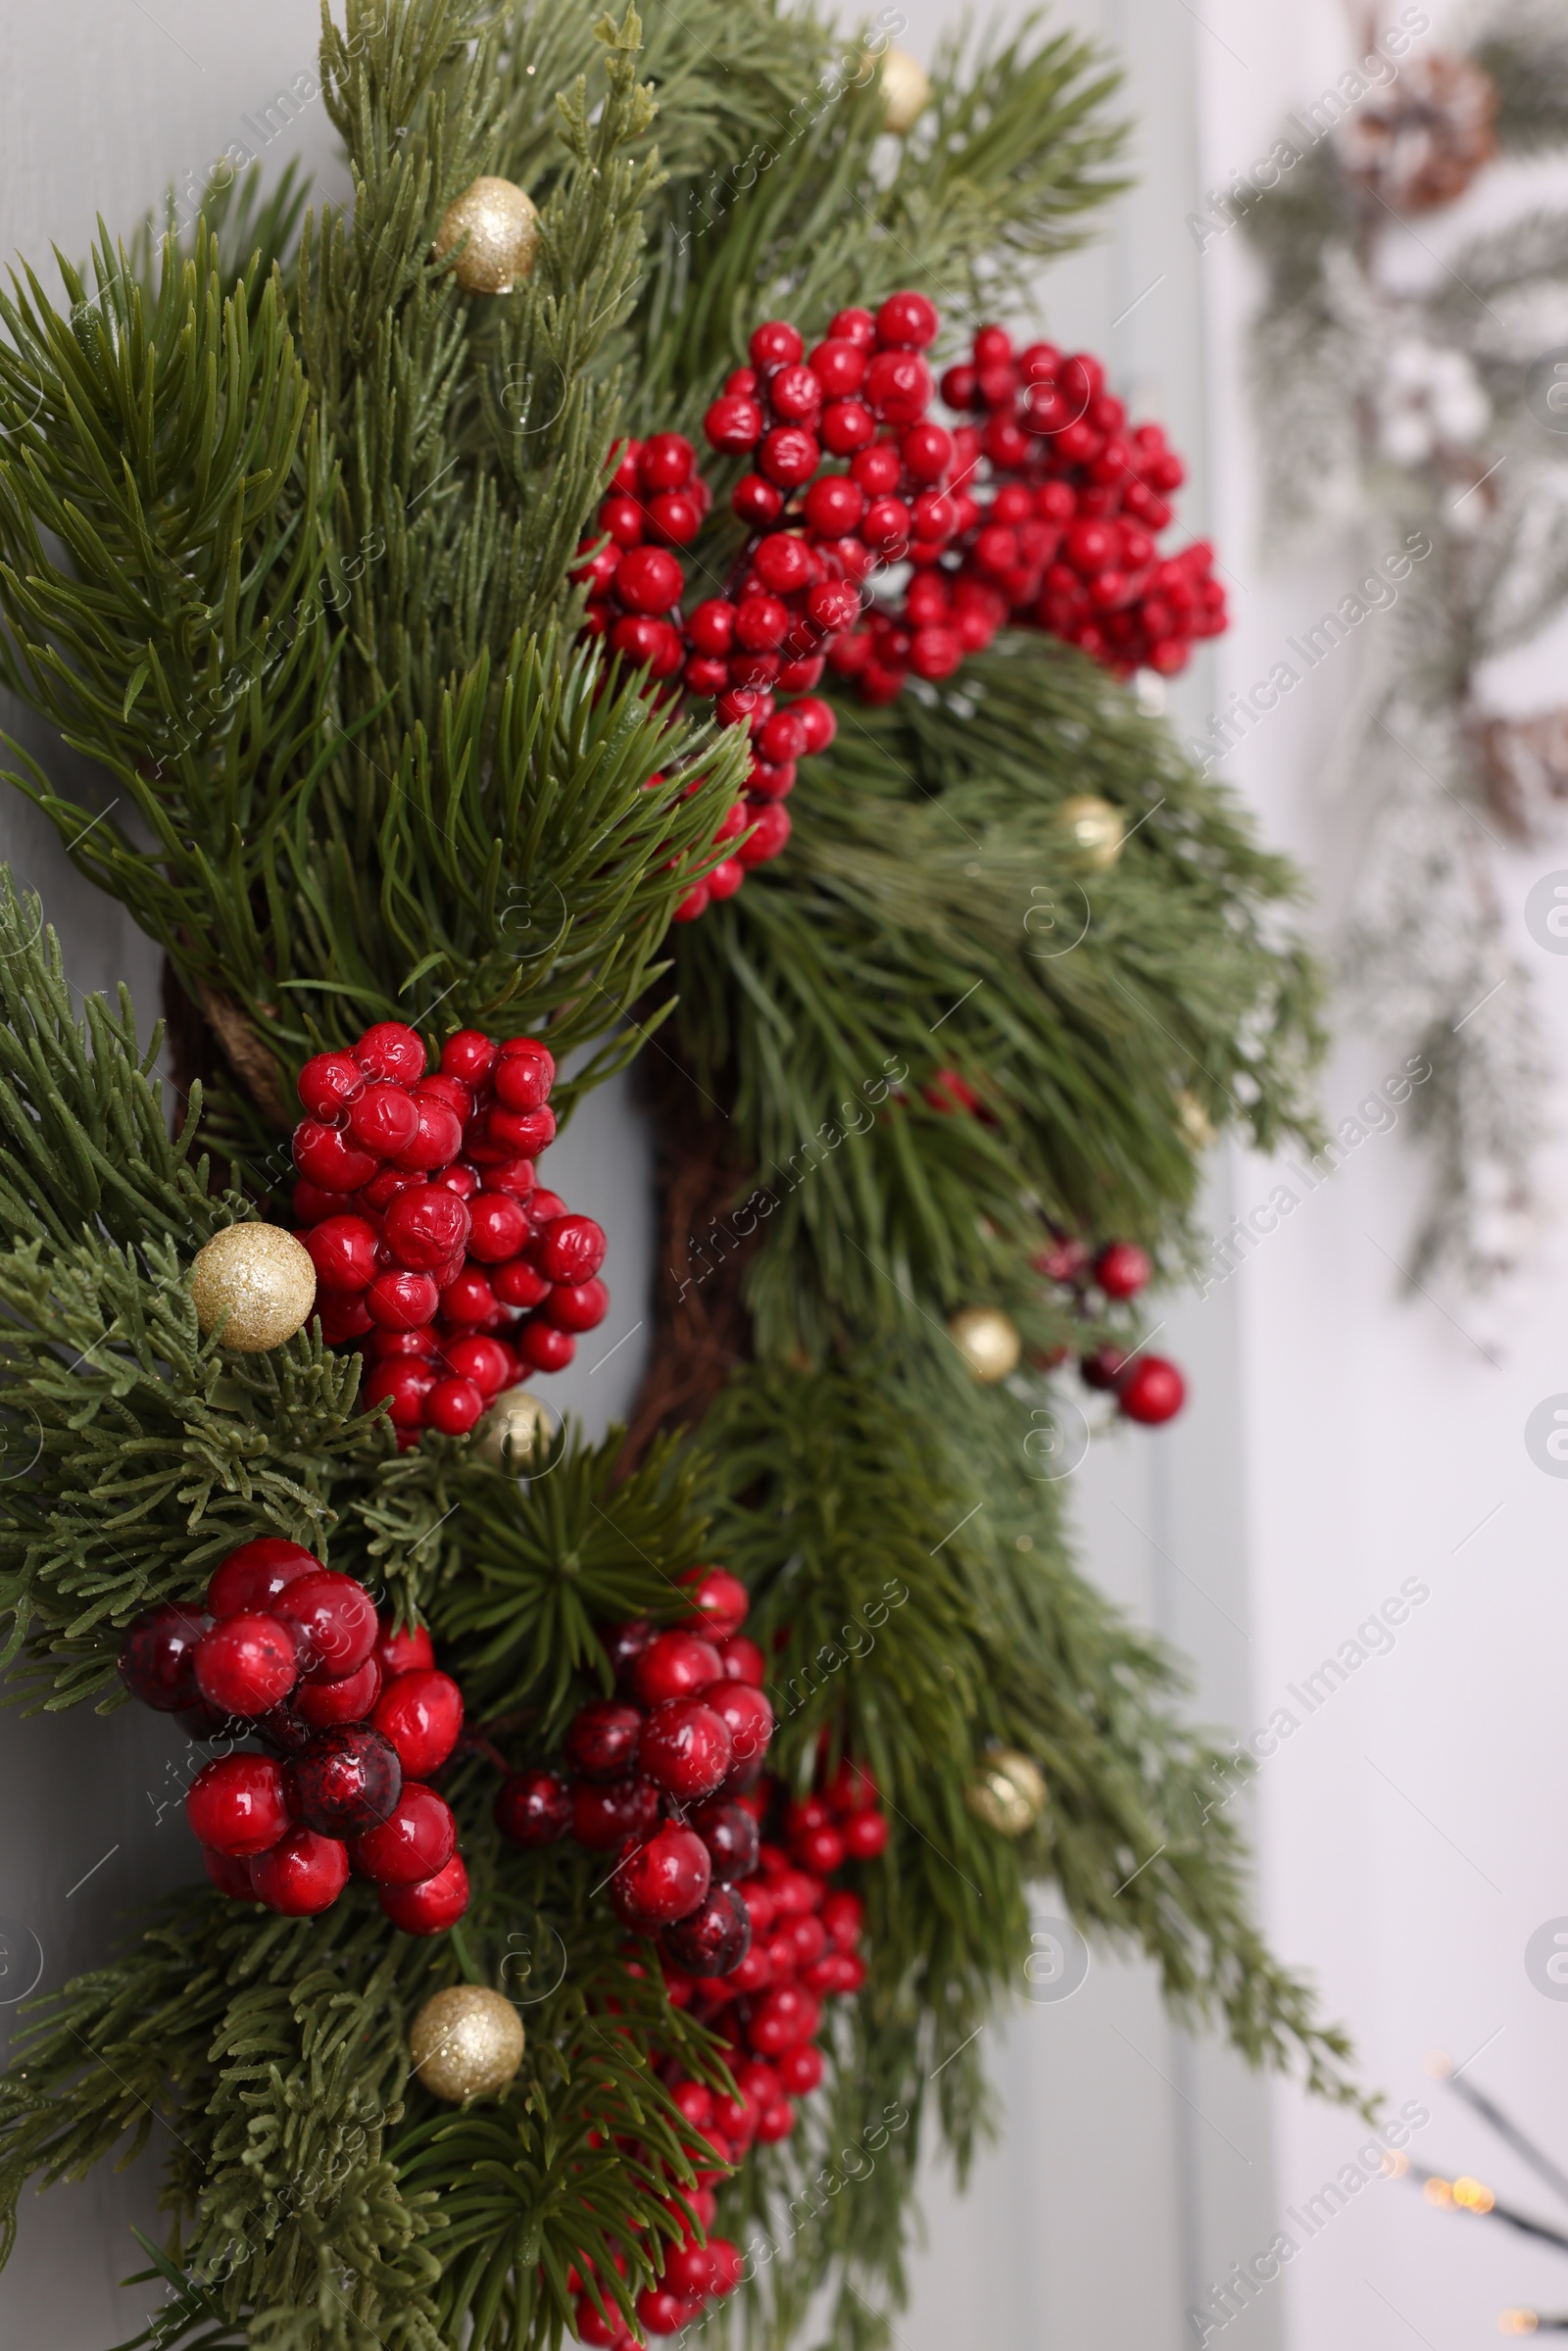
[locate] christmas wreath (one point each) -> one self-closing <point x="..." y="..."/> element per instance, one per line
<point x="607" y="1843"/>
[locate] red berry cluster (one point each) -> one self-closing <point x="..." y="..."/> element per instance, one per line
<point x="1059" y="505"/>
<point x="753" y="1936"/>
<point x="353" y="1718"/>
<point x="657" y="503"/>
<point x="431" y="1239"/>
<point x="1148" y="1387"/>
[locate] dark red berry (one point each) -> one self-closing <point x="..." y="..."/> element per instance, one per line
<point x="468" y="1056"/>
<point x="601" y="1742"/>
<point x="603" y="1816"/>
<point x="390" y="1049"/>
<point x="533" y="1809"/>
<point x="328" y="1159"/>
<point x="744" y="1661"/>
<point x="732" y="1837"/>
<point x="1102" y="1367"/>
<point x="714" y="1939"/>
<point x="156" y="1656"/>
<point x="746" y="1716"/>
<point x="866" y="1834"/>
<point x="348" y="1780"/>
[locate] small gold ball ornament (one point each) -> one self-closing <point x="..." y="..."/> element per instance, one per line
<point x="257" y="1275"/>
<point x="1196" y="1124"/>
<point x="1094" y="828"/>
<point x="988" y="1342"/>
<point x="1008" y="1793"/>
<point x="516" y="1427"/>
<point x="501" y="228"/>
<point x="906" y="91"/>
<point x="467" y="2042"/>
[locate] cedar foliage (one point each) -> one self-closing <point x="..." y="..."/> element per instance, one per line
<point x="284" y="531"/>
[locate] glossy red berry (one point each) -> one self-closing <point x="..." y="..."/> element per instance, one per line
<point x="1152" y="1391"/>
<point x="349" y="1700"/>
<point x="432" y="1907"/>
<point x="421" y="1714"/>
<point x="328" y="1159"/>
<point x="775" y="343"/>
<point x="667" y="462"/>
<point x="897" y="386"/>
<point x="789" y="456"/>
<point x="675" y="1665"/>
<point x="245" y="1663"/>
<point x="782" y="2018"/>
<point x="733" y="423"/>
<point x="907" y="320"/>
<point x="390" y="1049"/>
<point x="533" y="1809"/>
<point x="516" y="1284"/>
<point x="525" y="1133"/>
<point x="1121" y="1269"/>
<point x="402" y="1652"/>
<point x="333" y="1621"/>
<point x="158" y="1656"/>
<point x="603" y="1816"/>
<point x="744" y="1661"/>
<point x="417" y="1839"/>
<point x="484" y="1361"/>
<point x="329" y="1083"/>
<point x="794" y="394"/>
<point x="437" y="1137"/>
<point x="302" y="1874"/>
<point x="343" y="1251"/>
<point x="402" y="1383"/>
<point x="236" y="1804"/>
<point x="452" y="1407"/>
<point x="661" y="1877"/>
<point x="719" y="1601"/>
<point x="576" y="1307"/>
<point x="746" y="1716"/>
<point x="799" y="2070"/>
<point x="821" y="1850"/>
<point x="402" y="1302"/>
<point x="425" y="1228"/>
<point x="839" y="367"/>
<point x="866" y="1834"/>
<point x="383" y="1119"/>
<point x="545" y="1348"/>
<point x="685" y="1747"/>
<point x="842" y="1915"/>
<point x="468" y="1055"/>
<point x="847" y="427"/>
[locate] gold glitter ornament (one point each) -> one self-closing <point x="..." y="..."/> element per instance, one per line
<point x="906" y="91"/>
<point x="1095" y="827"/>
<point x="501" y="228"/>
<point x="1196" y="1124"/>
<point x="1008" y="1793"/>
<point x="516" y="1427"/>
<point x="467" y="2042"/>
<point x="257" y="1275"/>
<point x="988" y="1342"/>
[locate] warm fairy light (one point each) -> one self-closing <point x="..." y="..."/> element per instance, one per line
<point x="1517" y="2321"/>
<point x="1395" y="2164"/>
<point x="1438" y="2192"/>
<point x="1438" y="2065"/>
<point x="1472" y="2195"/>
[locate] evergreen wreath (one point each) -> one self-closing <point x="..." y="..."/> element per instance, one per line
<point x="289" y="546"/>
